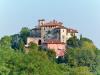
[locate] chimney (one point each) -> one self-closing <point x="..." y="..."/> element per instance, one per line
<point x="41" y="22"/>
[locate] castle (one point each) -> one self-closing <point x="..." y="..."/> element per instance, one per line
<point x="51" y="35"/>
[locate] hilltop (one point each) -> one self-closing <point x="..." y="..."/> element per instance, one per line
<point x="82" y="57"/>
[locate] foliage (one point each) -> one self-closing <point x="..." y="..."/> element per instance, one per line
<point x="21" y="45"/>
<point x="80" y="71"/>
<point x="17" y="42"/>
<point x="33" y="45"/>
<point x="98" y="63"/>
<point x="34" y="63"/>
<point x="51" y="54"/>
<point x="24" y="33"/>
<point x="82" y="53"/>
<point x="5" y="41"/>
<point x="73" y="42"/>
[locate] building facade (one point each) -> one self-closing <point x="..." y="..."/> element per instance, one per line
<point x="52" y="35"/>
<point x="64" y="33"/>
<point x="56" y="45"/>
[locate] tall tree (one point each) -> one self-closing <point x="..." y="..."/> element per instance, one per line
<point x="24" y="33"/>
<point x="21" y="45"/>
<point x="73" y="42"/>
<point x="15" y="41"/>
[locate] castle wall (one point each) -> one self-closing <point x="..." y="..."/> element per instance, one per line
<point x="63" y="35"/>
<point x="33" y="40"/>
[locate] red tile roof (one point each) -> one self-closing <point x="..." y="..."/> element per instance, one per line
<point x="57" y="25"/>
<point x="53" y="41"/>
<point x="61" y="27"/>
<point x="70" y="30"/>
<point x="52" y="23"/>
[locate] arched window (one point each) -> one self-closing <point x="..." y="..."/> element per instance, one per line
<point x="39" y="42"/>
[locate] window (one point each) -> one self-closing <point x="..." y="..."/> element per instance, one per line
<point x="39" y="42"/>
<point x="63" y="30"/>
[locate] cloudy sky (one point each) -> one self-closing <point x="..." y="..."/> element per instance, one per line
<point x="83" y="15"/>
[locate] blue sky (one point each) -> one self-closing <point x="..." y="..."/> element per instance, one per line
<point x="84" y="15"/>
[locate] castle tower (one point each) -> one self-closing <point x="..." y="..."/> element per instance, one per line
<point x="41" y="22"/>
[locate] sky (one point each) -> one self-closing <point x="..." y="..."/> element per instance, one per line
<point x="83" y="15"/>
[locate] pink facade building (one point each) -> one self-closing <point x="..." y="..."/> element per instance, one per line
<point x="57" y="46"/>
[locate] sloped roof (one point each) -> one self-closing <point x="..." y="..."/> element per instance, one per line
<point x="70" y="30"/>
<point x="61" y="27"/>
<point x="52" y="23"/>
<point x="54" y="41"/>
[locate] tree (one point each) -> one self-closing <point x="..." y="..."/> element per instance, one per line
<point x="15" y="41"/>
<point x="21" y="45"/>
<point x="86" y="39"/>
<point x="71" y="57"/>
<point x="24" y="33"/>
<point x="84" y="55"/>
<point x="80" y="71"/>
<point x="4" y="70"/>
<point x="98" y="62"/>
<point x="73" y="42"/>
<point x="33" y="45"/>
<point x="51" y="54"/>
<point x="5" y="41"/>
